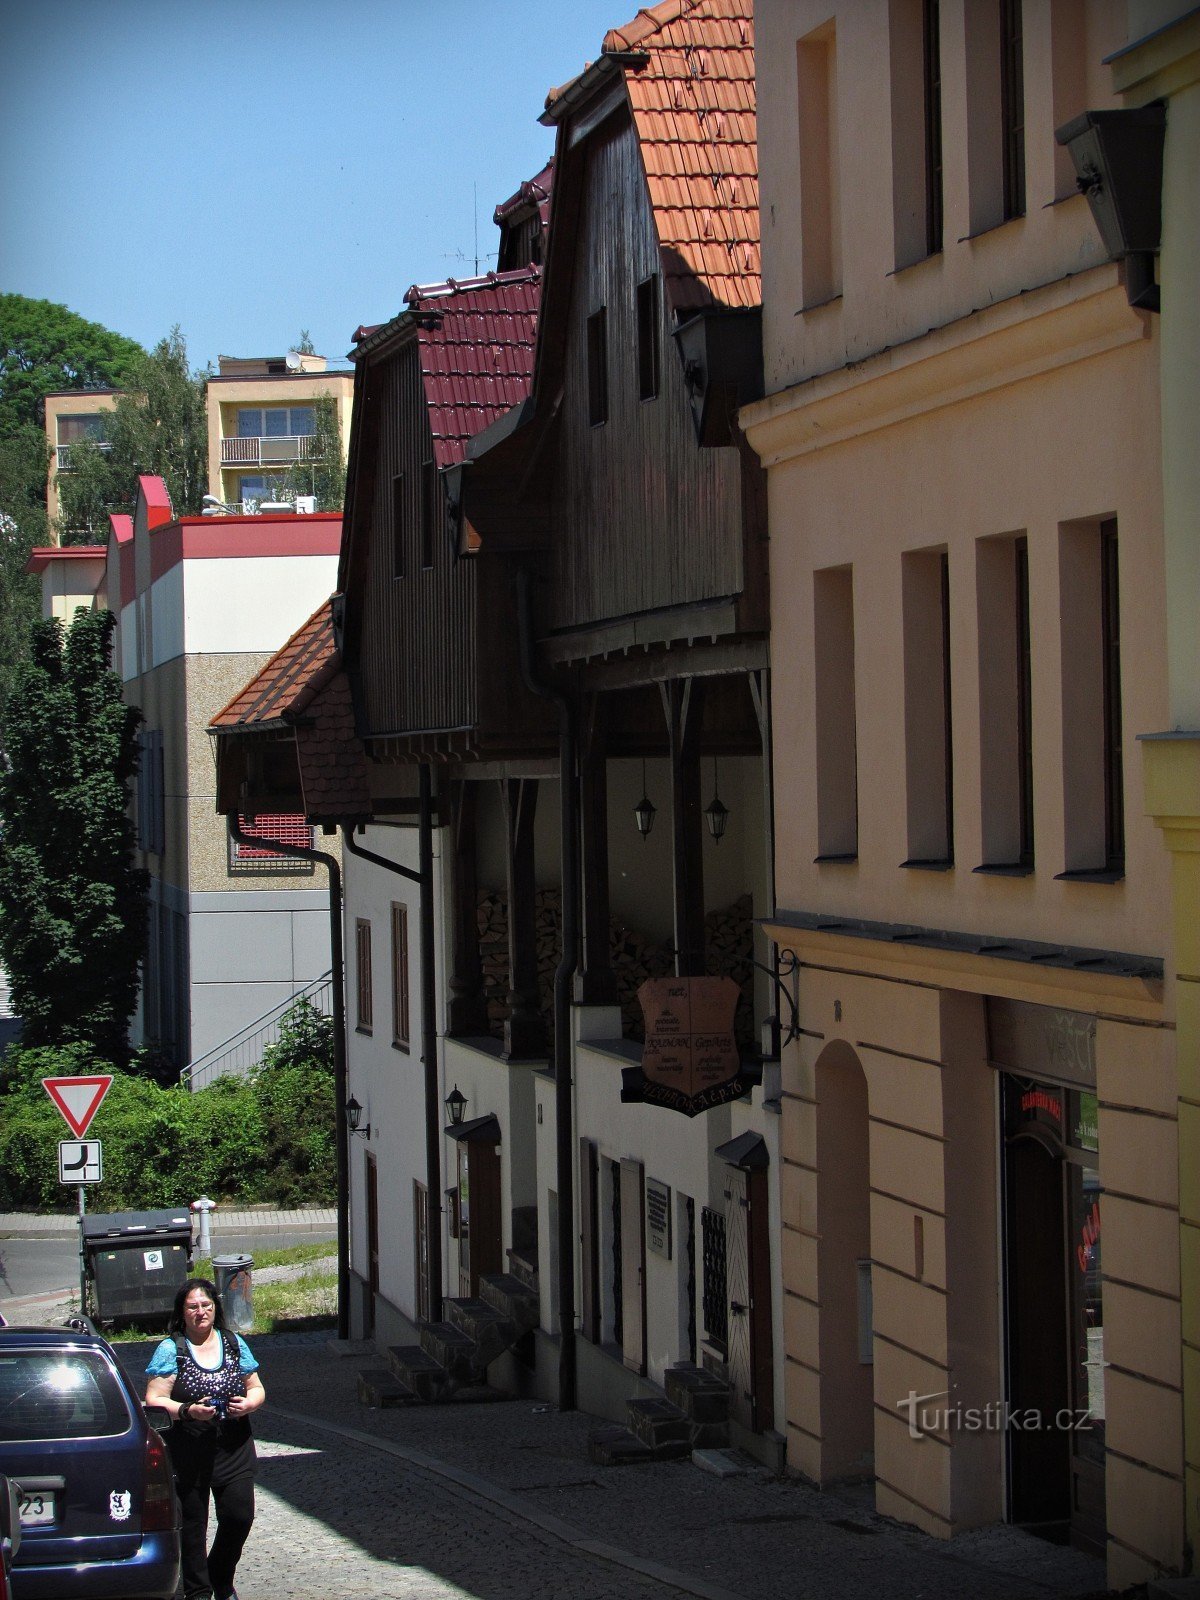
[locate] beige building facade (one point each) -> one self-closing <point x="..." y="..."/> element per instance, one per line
<point x="968" y="590"/>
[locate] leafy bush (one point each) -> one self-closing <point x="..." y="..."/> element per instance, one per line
<point x="266" y="1137"/>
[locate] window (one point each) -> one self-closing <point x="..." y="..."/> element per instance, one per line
<point x="362" y="973"/>
<point x="400" y="1028"/>
<point x="91" y="428"/>
<point x="597" y="367"/>
<point x="1005" y="704"/>
<point x="836" y="734"/>
<point x="429" y="509"/>
<point x="928" y="743"/>
<point x="647" y="329"/>
<point x="916" y="90"/>
<point x="151" y="793"/>
<point x="398" y="518"/>
<point x="280" y="827"/>
<point x="276" y="422"/>
<point x="820" y="195"/>
<point x="1093" y="770"/>
<point x="255" y="489"/>
<point x="1012" y="108"/>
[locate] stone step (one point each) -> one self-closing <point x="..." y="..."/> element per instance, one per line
<point x="511" y="1297"/>
<point x="524" y="1270"/>
<point x="700" y="1395"/>
<point x="378" y="1387"/>
<point x="617" y="1447"/>
<point x="710" y="1435"/>
<point x="657" y="1422"/>
<point x="491" y="1330"/>
<point x="418" y="1371"/>
<point x="452" y="1349"/>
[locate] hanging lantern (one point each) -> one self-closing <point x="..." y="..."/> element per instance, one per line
<point x="716" y="813"/>
<point x="645" y="811"/>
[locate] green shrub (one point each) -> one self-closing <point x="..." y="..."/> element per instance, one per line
<point x="266" y="1137"/>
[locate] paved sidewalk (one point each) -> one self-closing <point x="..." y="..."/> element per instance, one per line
<point x="499" y="1500"/>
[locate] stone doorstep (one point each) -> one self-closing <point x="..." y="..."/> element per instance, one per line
<point x="511" y="1298"/>
<point x="379" y="1388"/>
<point x="617" y="1447"/>
<point x="491" y="1330"/>
<point x="709" y="1435"/>
<point x="418" y="1370"/>
<point x="453" y="1349"/>
<point x="524" y="1271"/>
<point x="658" y="1422"/>
<point x="701" y="1396"/>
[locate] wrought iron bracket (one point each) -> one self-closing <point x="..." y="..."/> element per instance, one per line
<point x="787" y="964"/>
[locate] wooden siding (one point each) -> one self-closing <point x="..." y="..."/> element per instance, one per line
<point x="418" y="659"/>
<point x="644" y="519"/>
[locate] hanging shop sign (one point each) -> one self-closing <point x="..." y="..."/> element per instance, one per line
<point x="1042" y="1042"/>
<point x="690" y="1059"/>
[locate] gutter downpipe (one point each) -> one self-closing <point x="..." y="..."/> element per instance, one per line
<point x="423" y="878"/>
<point x="563" y="976"/>
<point x="337" y="965"/>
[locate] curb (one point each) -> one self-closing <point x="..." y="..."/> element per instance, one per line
<point x="512" y="1506"/>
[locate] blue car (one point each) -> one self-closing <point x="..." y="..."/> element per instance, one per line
<point x="99" y="1517"/>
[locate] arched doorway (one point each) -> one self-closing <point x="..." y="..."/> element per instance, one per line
<point x="844" y="1265"/>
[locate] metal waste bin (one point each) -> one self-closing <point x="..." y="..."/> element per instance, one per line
<point x="136" y="1261"/>
<point x="233" y="1274"/>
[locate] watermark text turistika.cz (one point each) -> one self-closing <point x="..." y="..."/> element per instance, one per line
<point x="931" y="1413"/>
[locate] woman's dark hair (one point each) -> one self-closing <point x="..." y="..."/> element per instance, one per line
<point x="177" y="1325"/>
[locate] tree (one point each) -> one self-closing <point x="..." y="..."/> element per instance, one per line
<point x="45" y="347"/>
<point x="323" y="473"/>
<point x="72" y="904"/>
<point x="160" y="427"/>
<point x="23" y="462"/>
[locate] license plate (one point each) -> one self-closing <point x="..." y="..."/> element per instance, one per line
<point x="37" y="1510"/>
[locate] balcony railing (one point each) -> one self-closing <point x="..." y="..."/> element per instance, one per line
<point x="62" y="453"/>
<point x="259" y="452"/>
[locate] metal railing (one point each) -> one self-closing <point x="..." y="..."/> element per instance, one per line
<point x="244" y="1050"/>
<point x="62" y="452"/>
<point x="264" y="451"/>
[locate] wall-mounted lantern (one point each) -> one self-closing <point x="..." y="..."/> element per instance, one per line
<point x="456" y="1104"/>
<point x="1118" y="158"/>
<point x="354" y="1117"/>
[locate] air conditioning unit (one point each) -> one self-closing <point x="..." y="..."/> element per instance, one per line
<point x="306" y="505"/>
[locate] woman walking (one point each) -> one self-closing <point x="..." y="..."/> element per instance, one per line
<point x="206" y="1377"/>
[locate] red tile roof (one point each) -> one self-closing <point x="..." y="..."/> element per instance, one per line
<point x="281" y="690"/>
<point x="303" y="687"/>
<point x="693" y="105"/>
<point x="476" y="340"/>
<point x="535" y="191"/>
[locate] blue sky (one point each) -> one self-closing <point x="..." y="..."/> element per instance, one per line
<point x="250" y="169"/>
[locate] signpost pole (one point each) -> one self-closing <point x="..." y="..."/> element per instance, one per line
<point x="82" y="1253"/>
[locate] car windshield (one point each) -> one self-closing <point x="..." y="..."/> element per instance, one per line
<point x="59" y="1394"/>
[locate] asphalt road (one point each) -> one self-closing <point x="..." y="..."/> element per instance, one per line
<point x="41" y="1265"/>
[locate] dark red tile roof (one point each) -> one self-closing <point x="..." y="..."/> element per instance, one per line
<point x="282" y="689"/>
<point x="693" y="105"/>
<point x="535" y="191"/>
<point x="303" y="687"/>
<point x="476" y="339"/>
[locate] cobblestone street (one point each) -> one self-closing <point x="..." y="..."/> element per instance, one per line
<point x="500" y="1502"/>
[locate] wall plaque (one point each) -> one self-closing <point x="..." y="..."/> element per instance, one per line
<point x="658" y="1218"/>
<point x="690" y="1059"/>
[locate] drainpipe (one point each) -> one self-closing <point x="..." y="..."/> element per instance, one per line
<point x="423" y="877"/>
<point x="563" y="978"/>
<point x="339" y="1051"/>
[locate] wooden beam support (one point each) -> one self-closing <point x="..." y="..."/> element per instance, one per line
<point x="468" y="1004"/>
<point x="595" y="983"/>
<point x="524" y="1032"/>
<point x="682" y="700"/>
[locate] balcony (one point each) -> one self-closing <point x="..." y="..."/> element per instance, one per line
<point x="62" y="453"/>
<point x="280" y="450"/>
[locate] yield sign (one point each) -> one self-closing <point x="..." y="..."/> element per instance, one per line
<point x="78" y="1099"/>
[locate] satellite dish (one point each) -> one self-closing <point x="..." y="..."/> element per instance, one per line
<point x="293" y="361"/>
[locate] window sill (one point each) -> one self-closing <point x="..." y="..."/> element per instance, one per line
<point x="819" y="305"/>
<point x="1005" y="870"/>
<point x="365" y="1031"/>
<point x="932" y="865"/>
<point x="402" y="1045"/>
<point x="918" y="261"/>
<point x="850" y="859"/>
<point x="1091" y="875"/>
<point x="991" y="227"/>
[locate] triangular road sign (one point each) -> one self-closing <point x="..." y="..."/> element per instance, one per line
<point x="78" y="1099"/>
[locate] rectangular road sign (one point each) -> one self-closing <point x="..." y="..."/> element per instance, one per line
<point x="80" y="1161"/>
<point x="78" y="1099"/>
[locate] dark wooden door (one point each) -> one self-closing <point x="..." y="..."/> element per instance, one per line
<point x="762" y="1338"/>
<point x="737" y="1279"/>
<point x="421" y="1249"/>
<point x="480" y="1241"/>
<point x="372" y="1244"/>
<point x="633" y="1266"/>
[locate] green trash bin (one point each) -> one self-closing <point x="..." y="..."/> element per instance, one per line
<point x="233" y="1274"/>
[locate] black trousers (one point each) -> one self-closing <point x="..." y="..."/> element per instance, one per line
<point x="224" y="1468"/>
